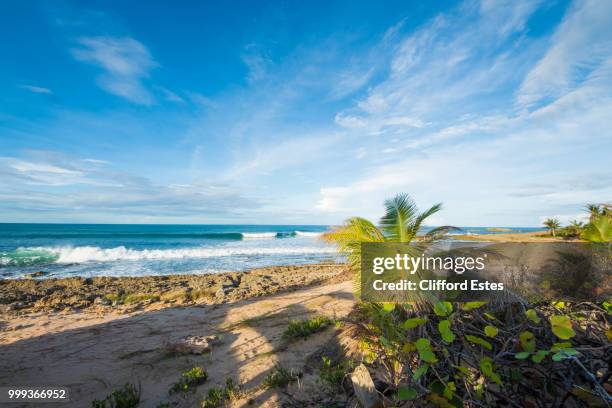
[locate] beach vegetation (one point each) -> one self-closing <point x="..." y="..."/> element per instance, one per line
<point x="552" y="224"/>
<point x="452" y="354"/>
<point x="302" y="329"/>
<point x="598" y="210"/>
<point x="216" y="397"/>
<point x="128" y="396"/>
<point x="279" y="377"/>
<point x="189" y="380"/>
<point x="334" y="374"/>
<point x="599" y="230"/>
<point x="401" y="223"/>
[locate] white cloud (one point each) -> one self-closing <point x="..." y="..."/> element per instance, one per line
<point x="37" y="89"/>
<point x="170" y="96"/>
<point x="444" y="70"/>
<point x="125" y="62"/>
<point x="282" y="155"/>
<point x="581" y="43"/>
<point x="45" y="184"/>
<point x="473" y="152"/>
<point x="257" y="62"/>
<point x="41" y="172"/>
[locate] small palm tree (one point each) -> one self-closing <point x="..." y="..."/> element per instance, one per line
<point x="574" y="229"/>
<point x="553" y="225"/>
<point x="401" y="223"/>
<point x="594" y="210"/>
<point x="576" y="224"/>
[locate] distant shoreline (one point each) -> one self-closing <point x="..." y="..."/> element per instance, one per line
<point x="536" y="236"/>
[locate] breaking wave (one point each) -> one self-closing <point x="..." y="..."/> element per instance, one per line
<point x="81" y="254"/>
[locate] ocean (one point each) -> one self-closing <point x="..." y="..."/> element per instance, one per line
<point x="64" y="250"/>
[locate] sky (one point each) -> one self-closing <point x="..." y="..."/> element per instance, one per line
<point x="288" y="112"/>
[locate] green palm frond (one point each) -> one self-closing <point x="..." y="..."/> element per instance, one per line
<point x="599" y="230"/>
<point x="398" y="219"/>
<point x="401" y="223"/>
<point x="348" y="237"/>
<point x="440" y="232"/>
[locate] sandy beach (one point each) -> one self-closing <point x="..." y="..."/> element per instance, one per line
<point x="96" y="348"/>
<point x="539" y="236"/>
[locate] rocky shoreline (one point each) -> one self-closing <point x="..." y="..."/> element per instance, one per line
<point x="127" y="294"/>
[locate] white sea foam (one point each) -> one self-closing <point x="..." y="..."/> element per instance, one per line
<point x="258" y="235"/>
<point x="80" y="254"/>
<point x="308" y="233"/>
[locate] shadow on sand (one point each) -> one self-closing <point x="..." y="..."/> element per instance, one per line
<point x="95" y="359"/>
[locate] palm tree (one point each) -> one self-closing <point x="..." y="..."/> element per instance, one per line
<point x="594" y="210"/>
<point x="401" y="223"/>
<point x="553" y="225"/>
<point x="599" y="230"/>
<point x="576" y="224"/>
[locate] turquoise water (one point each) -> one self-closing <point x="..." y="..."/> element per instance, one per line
<point x="60" y="250"/>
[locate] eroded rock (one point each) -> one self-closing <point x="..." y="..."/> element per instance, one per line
<point x="193" y="344"/>
<point x="365" y="391"/>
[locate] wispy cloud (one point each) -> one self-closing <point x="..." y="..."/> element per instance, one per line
<point x="37" y="89"/>
<point x="256" y="61"/>
<point x="470" y="144"/>
<point x="169" y="95"/>
<point x="125" y="62"/>
<point x="580" y="45"/>
<point x="102" y="191"/>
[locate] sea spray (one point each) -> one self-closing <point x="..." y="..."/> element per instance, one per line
<point x="70" y="255"/>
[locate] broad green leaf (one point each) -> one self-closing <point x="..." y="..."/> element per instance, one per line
<point x="522" y="355"/>
<point x="419" y="372"/>
<point x="533" y="316"/>
<point x="527" y="341"/>
<point x="560" y="346"/>
<point x="562" y="327"/>
<point x="405" y="394"/>
<point x="423" y="344"/>
<point x="449" y="390"/>
<point x="447" y="334"/>
<point x="414" y="322"/>
<point x="607" y="305"/>
<point x="428" y="356"/>
<point x="563" y="354"/>
<point x="408" y="347"/>
<point x="478" y="340"/>
<point x="425" y="353"/>
<point x="486" y="366"/>
<point x="491" y="331"/>
<point x="473" y="305"/>
<point x="443" y="309"/>
<point x="559" y="304"/>
<point x="539" y="356"/>
<point x="388" y="307"/>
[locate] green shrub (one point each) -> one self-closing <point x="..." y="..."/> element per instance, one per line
<point x="189" y="380"/>
<point x="127" y="396"/>
<point x="279" y="377"/>
<point x="216" y="396"/>
<point x="213" y="399"/>
<point x="334" y="374"/>
<point x="304" y="328"/>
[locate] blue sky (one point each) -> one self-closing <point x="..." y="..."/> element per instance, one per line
<point x="304" y="112"/>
